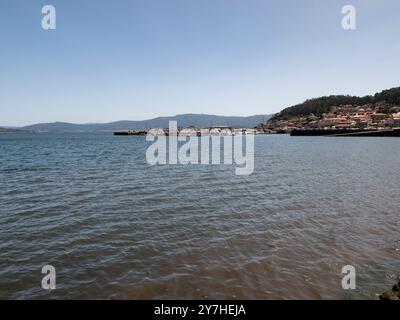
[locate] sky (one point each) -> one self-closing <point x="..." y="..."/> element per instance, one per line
<point x="133" y="60"/>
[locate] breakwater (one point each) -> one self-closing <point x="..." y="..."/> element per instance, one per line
<point x="346" y="132"/>
<point x="130" y="133"/>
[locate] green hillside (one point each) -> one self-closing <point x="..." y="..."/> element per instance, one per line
<point x="318" y="106"/>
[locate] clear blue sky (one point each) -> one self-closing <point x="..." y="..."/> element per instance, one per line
<point x="127" y="59"/>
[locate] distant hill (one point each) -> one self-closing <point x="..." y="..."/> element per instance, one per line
<point x="184" y="120"/>
<point x="321" y="105"/>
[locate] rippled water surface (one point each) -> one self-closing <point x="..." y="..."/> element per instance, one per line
<point x="114" y="227"/>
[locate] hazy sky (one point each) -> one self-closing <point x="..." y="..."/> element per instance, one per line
<point x="127" y="59"/>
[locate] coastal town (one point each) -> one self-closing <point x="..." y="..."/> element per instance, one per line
<point x="367" y="117"/>
<point x="340" y="119"/>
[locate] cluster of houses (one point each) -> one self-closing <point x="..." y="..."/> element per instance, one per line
<point x="343" y="117"/>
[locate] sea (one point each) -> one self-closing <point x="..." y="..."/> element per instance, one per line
<point x="115" y="227"/>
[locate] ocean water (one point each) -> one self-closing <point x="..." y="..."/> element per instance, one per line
<point x="116" y="228"/>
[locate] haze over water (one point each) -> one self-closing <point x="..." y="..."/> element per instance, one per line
<point x="114" y="227"/>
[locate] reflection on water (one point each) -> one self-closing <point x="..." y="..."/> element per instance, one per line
<point x="114" y="227"/>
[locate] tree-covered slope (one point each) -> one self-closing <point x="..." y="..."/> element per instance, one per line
<point x="321" y="105"/>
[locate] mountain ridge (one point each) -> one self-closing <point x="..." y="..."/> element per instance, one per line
<point x="184" y="120"/>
